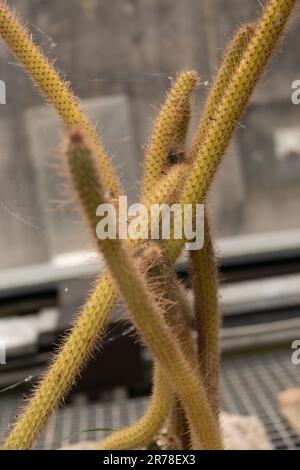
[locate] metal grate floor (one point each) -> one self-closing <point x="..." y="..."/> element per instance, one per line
<point x="250" y="384"/>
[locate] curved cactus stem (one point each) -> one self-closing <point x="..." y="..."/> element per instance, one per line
<point x="203" y="262"/>
<point x="141" y="433"/>
<point x="166" y="126"/>
<point x="65" y="368"/>
<point x="243" y="81"/>
<point x="56" y="91"/>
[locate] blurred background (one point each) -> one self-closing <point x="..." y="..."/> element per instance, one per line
<point x="120" y="58"/>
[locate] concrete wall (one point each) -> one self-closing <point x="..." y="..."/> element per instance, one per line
<point x="131" y="48"/>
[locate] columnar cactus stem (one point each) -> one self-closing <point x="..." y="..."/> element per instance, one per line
<point x="243" y="81"/>
<point x="232" y="58"/>
<point x="147" y="428"/>
<point x="165" y="128"/>
<point x="215" y="143"/>
<point x="205" y="288"/>
<point x="164" y="140"/>
<point x="203" y="262"/>
<point x="65" y="368"/>
<point x="88" y="327"/>
<point x="168" y="185"/>
<point x="145" y="312"/>
<point x="56" y="91"/>
<point x="141" y="433"/>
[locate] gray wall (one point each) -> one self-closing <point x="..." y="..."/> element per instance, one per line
<point x="132" y="47"/>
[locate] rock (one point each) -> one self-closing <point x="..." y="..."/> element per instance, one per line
<point x="244" y="433"/>
<point x="289" y="406"/>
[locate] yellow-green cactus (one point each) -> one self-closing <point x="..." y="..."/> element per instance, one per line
<point x="165" y="128"/>
<point x="203" y="262"/>
<point x="56" y="91"/>
<point x="232" y="58"/>
<point x="231" y="107"/>
<point x="205" y="288"/>
<point x="65" y="367"/>
<point x="146" y="314"/>
<point x="167" y="351"/>
<point x="141" y="433"/>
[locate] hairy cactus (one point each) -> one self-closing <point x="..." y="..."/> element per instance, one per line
<point x="203" y="262"/>
<point x="56" y="91"/>
<point x="187" y="182"/>
<point x="141" y="433"/>
<point x="205" y="288"/>
<point x="232" y="105"/>
<point x="145" y="312"/>
<point x="65" y="367"/>
<point x="233" y="56"/>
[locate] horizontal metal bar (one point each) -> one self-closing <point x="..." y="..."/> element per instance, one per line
<point x="261" y="295"/>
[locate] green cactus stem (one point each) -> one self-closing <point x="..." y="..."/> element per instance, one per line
<point x="165" y="128"/>
<point x="56" y="91"/>
<point x="260" y="48"/>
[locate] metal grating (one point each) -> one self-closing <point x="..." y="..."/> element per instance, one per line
<point x="250" y="384"/>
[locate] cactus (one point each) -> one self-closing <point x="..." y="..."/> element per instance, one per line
<point x="141" y="433"/>
<point x="205" y="287"/>
<point x="145" y="430"/>
<point x="166" y="126"/>
<point x="232" y="105"/>
<point x="203" y="262"/>
<point x="95" y="182"/>
<point x="56" y="91"/>
<point x="232" y="58"/>
<point x="146" y="314"/>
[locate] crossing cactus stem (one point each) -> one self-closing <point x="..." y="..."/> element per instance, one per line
<point x="65" y="367"/>
<point x="205" y="281"/>
<point x="95" y="181"/>
<point x="146" y="314"/>
<point x="148" y="427"/>
<point x="141" y="433"/>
